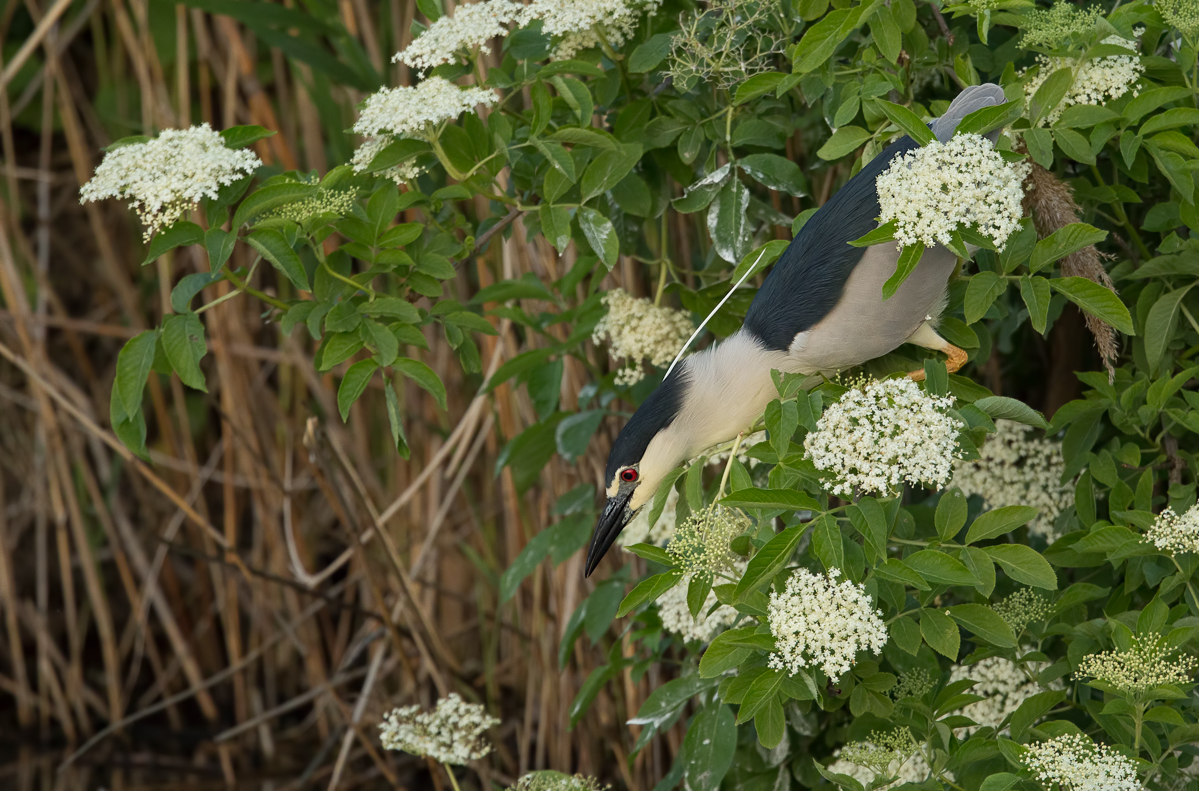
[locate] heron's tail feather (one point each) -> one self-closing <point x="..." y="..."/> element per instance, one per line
<point x="973" y="98"/>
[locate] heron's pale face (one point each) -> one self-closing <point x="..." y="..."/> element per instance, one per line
<point x="618" y="512"/>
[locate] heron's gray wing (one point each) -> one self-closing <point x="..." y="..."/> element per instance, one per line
<point x="809" y="277"/>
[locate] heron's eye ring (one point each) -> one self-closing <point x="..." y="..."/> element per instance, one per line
<point x="628" y="476"/>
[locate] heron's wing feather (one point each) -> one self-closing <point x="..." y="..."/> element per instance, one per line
<point x="973" y="98"/>
<point x="807" y="281"/>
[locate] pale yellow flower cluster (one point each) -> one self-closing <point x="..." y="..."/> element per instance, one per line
<point x="637" y="329"/>
<point x="1147" y="664"/>
<point x="1075" y="763"/>
<point x="701" y="543"/>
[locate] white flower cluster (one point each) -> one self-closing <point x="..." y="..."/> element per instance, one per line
<point x="914" y="770"/>
<point x="935" y="189"/>
<point x="1147" y="664"/>
<point x="548" y="780"/>
<point x="640" y="531"/>
<point x="637" y="329"/>
<point x="164" y="176"/>
<point x="1075" y="763"/>
<point x="676" y="616"/>
<point x="580" y="24"/>
<point x="879" y="436"/>
<point x="1095" y="81"/>
<point x="1015" y="468"/>
<point x="819" y="621"/>
<point x="452" y="733"/>
<point x="411" y="112"/>
<point x="471" y="27"/>
<point x="1173" y="533"/>
<point x="366" y="152"/>
<point x="1003" y="685"/>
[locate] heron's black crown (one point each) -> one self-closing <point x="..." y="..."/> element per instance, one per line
<point x="655" y="413"/>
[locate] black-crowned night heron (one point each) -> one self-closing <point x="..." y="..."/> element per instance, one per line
<point x="820" y="310"/>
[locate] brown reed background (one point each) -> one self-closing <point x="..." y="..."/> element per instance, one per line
<point x="242" y="611"/>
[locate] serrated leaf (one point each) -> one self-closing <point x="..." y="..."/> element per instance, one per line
<point x="134" y="362"/>
<point x="274" y="247"/>
<point x="600" y="234"/>
<point x="1062" y="242"/>
<point x="1024" y="564"/>
<point x="353" y="385"/>
<point x="941" y="633"/>
<point x="983" y="622"/>
<point x="907" y="121"/>
<point x="184" y="345"/>
<point x="1004" y="408"/>
<point x="395" y="419"/>
<point x="982" y="289"/>
<point x="769" y="560"/>
<point x="908" y="258"/>
<point x="424" y="376"/>
<point x="1036" y="293"/>
<point x="649" y="590"/>
<point x="999" y="521"/>
<point x="1096" y="300"/>
<point x="175" y="235"/>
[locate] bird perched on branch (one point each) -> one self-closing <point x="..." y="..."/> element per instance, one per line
<point x="820" y="310"/>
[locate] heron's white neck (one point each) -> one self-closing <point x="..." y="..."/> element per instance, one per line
<point x="728" y="386"/>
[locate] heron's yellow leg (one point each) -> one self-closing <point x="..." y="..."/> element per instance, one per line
<point x="928" y="338"/>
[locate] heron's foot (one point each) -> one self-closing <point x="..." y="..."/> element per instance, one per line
<point x="957" y="358"/>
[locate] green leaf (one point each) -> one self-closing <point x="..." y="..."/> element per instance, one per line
<point x="1051" y="92"/>
<point x="555" y="224"/>
<point x="988" y="119"/>
<point x="771" y="723"/>
<point x="769" y="560"/>
<point x="1036" y="294"/>
<point x="274" y="247"/>
<point x="264" y="199"/>
<point x="1096" y="300"/>
<point x="558" y="157"/>
<point x="843" y="141"/>
<point x="787" y="499"/>
<point x="880" y="235"/>
<point x="1074" y="145"/>
<point x="697" y="592"/>
<point x="894" y="570"/>
<point x="939" y="568"/>
<point x="575" y="432"/>
<point x="1024" y="564"/>
<point x="907" y="121"/>
<point x="908" y="258"/>
<point x="647" y="56"/>
<point x="397" y="153"/>
<point x="176" y="235"/>
<point x="1063" y="242"/>
<point x="131" y="431"/>
<point x="1161" y="323"/>
<point x="941" y="633"/>
<point x="886" y="33"/>
<point x="1001" y="781"/>
<point x="708" y="748"/>
<point x="395" y="419"/>
<point x="999" y="521"/>
<point x="827" y="543"/>
<point x="353" y="385"/>
<point x="600" y="234"/>
<point x="982" y="289"/>
<point x="649" y="590"/>
<point x="1004" y="408"/>
<point x="1040" y="146"/>
<point x="665" y="701"/>
<point x="338" y="347"/>
<point x="821" y="40"/>
<point x="983" y="622"/>
<point x="1178" y="116"/>
<point x="1032" y="709"/>
<point x="606" y="170"/>
<point x="392" y="308"/>
<point x="760" y="691"/>
<point x="134" y="362"/>
<point x="757" y="85"/>
<point x="906" y="634"/>
<point x="242" y="136"/>
<point x="981" y="566"/>
<point x="543" y="105"/>
<point x="951" y="513"/>
<point x="219" y="245"/>
<point x="728" y="221"/>
<point x="183" y="343"/>
<point x="424" y="376"/>
<point x="724" y="653"/>
<point x="777" y="173"/>
<point x="190" y="285"/>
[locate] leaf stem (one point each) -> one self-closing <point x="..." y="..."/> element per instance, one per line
<point x="241" y="285"/>
<point x="729" y="465"/>
<point x="1123" y="217"/>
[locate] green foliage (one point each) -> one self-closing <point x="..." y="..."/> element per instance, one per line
<point x="603" y="157"/>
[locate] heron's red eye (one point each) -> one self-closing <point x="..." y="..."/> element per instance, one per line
<point x="628" y="476"/>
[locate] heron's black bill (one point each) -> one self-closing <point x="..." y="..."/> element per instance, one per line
<point x="615" y="516"/>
